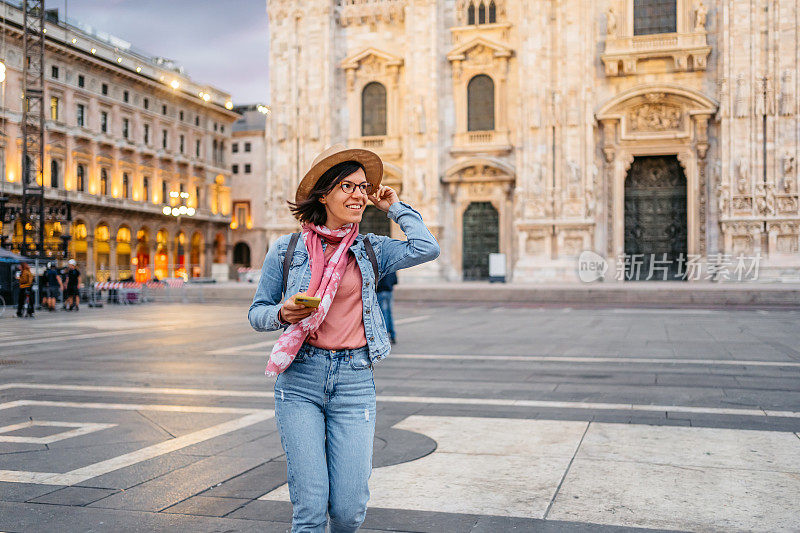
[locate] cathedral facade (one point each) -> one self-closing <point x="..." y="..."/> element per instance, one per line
<point x="544" y="129"/>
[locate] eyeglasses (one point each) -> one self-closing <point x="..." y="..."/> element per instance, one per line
<point x="348" y="187"/>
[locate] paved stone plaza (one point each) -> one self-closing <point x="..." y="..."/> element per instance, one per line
<point x="490" y="419"/>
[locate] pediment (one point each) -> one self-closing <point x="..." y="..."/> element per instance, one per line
<point x="477" y="48"/>
<point x="371" y="56"/>
<point x="479" y="169"/>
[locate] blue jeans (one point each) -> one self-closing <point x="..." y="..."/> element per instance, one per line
<point x="385" y="301"/>
<point x="325" y="407"/>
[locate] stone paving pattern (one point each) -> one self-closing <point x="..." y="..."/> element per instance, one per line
<point x="469" y="437"/>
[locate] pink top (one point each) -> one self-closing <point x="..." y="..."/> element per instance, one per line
<point x="344" y="324"/>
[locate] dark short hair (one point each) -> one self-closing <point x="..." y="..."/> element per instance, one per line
<point x="311" y="210"/>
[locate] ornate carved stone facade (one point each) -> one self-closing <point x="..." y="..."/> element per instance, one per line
<point x="576" y="96"/>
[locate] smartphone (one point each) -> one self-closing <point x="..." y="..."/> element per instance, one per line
<point x="308" y="301"/>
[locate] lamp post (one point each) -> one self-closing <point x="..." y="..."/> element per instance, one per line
<point x="177" y="208"/>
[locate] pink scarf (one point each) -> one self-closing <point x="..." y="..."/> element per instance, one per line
<point x="325" y="278"/>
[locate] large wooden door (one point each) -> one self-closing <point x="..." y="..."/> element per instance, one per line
<point x="480" y="237"/>
<point x="655" y="219"/>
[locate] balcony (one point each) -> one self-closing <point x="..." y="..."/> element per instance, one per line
<point x="383" y="145"/>
<point x="688" y="51"/>
<point x="487" y="141"/>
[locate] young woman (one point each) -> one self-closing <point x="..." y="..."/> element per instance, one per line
<point x="324" y="391"/>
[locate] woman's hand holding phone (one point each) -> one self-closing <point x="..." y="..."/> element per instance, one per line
<point x="293" y="312"/>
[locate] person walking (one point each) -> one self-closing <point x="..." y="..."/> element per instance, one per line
<point x="323" y="361"/>
<point x="385" y="287"/>
<point x="53" y="287"/>
<point x="72" y="293"/>
<point x="25" y="290"/>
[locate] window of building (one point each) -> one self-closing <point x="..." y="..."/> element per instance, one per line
<point x="54" y="72"/>
<point x="197" y="148"/>
<point x="235" y="169"/>
<point x="182" y="188"/>
<point x="145" y="189"/>
<point x="247" y="147"/>
<point x="164" y="197"/>
<point x="164" y="109"/>
<point x="480" y="103"/>
<point x="125" y="127"/>
<point x="125" y="96"/>
<point x="241" y="215"/>
<point x="479" y="12"/>
<point x="103" y="182"/>
<point x="54" y="108"/>
<point x="222" y="128"/>
<point x="81" y="80"/>
<point x="146" y="103"/>
<point x="147" y="134"/>
<point x="197" y="196"/>
<point x="216" y="126"/>
<point x="104" y="121"/>
<point x="104" y="88"/>
<point x="80" y="178"/>
<point x="182" y="139"/>
<point x="80" y="115"/>
<point x="247" y="168"/>
<point x="164" y="139"/>
<point x="654" y="16"/>
<point x="373" y="110"/>
<point x="235" y="148"/>
<point x="197" y="120"/>
<point x="54" y="173"/>
<point x="181" y="115"/>
<point x="125" y="185"/>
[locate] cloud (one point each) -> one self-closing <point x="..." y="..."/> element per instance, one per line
<point x="222" y="43"/>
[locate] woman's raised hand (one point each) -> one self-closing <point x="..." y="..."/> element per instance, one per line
<point x="293" y="312"/>
<point x="384" y="197"/>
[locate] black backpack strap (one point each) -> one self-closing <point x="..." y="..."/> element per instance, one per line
<point x="287" y="260"/>
<point x="371" y="255"/>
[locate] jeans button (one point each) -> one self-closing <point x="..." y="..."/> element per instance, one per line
<point x="372" y="338"/>
<point x="367" y="311"/>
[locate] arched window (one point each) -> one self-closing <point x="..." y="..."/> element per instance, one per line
<point x="492" y="12"/>
<point x="482" y="13"/>
<point x="103" y="182"/>
<point x="373" y="110"/>
<point x="480" y="103"/>
<point x="471" y="14"/>
<point x="54" y="173"/>
<point x="654" y="16"/>
<point x="80" y="175"/>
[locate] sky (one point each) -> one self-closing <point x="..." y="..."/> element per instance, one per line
<point x="223" y="43"/>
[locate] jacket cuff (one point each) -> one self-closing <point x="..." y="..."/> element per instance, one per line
<point x="397" y="208"/>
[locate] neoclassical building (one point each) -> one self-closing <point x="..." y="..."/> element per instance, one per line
<point x="128" y="137"/>
<point x="541" y="129"/>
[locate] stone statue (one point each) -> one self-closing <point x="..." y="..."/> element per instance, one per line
<point x="743" y="175"/>
<point x="700" y="13"/>
<point x="787" y="94"/>
<point x="723" y="98"/>
<point x="611" y="24"/>
<point x="420" y="115"/>
<point x="742" y="102"/>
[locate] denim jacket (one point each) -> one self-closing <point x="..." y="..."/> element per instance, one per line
<point x="392" y="255"/>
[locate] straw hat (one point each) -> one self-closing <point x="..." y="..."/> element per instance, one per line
<point x="373" y="167"/>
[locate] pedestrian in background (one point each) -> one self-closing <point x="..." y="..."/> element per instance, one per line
<point x="385" y="288"/>
<point x="25" y="289"/>
<point x="72" y="293"/>
<point x="324" y="391"/>
<point x="52" y="287"/>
